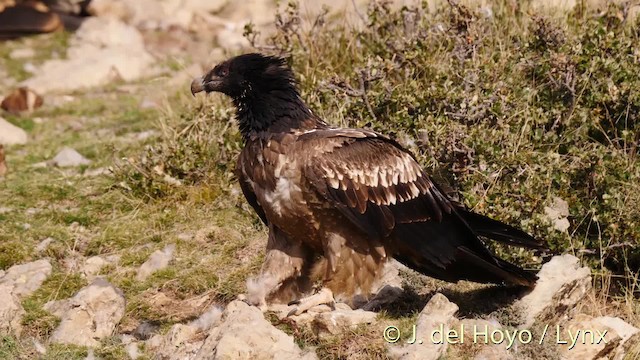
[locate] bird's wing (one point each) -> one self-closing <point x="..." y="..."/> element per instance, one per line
<point x="383" y="191"/>
<point x="247" y="191"/>
<point x="366" y="175"/>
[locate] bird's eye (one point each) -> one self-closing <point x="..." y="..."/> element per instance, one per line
<point x="223" y="71"/>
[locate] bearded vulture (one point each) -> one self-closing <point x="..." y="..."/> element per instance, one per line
<point x="340" y="202"/>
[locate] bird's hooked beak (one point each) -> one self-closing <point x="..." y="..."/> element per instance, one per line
<point x="205" y="83"/>
<point x="197" y="85"/>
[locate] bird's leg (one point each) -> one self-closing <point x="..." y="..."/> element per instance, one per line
<point x="284" y="260"/>
<point x="324" y="296"/>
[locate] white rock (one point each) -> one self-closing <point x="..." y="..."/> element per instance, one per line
<point x="557" y="213"/>
<point x="11" y="312"/>
<point x="561" y="284"/>
<point x="39" y="347"/>
<point x="11" y="134"/>
<point x="93" y="314"/>
<point x="22" y="280"/>
<point x="133" y="350"/>
<point x="158" y="260"/>
<point x="589" y="345"/>
<point x="90" y="355"/>
<point x="93" y="265"/>
<point x="337" y="321"/>
<point x="96" y="172"/>
<point x="118" y="9"/>
<point x="245" y="334"/>
<point x="102" y="50"/>
<point x="106" y="33"/>
<point x="68" y="157"/>
<point x="22" y="53"/>
<point x="623" y="329"/>
<point x="153" y="14"/>
<point x="437" y="314"/>
<point x="44" y="244"/>
<point x="180" y="342"/>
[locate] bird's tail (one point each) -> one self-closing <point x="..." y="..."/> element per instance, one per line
<point x="499" y="231"/>
<point x="451" y="250"/>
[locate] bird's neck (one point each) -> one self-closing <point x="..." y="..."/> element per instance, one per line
<point x="273" y="111"/>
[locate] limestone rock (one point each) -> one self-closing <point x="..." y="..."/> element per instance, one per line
<point x="336" y="321"/>
<point x="561" y="284"/>
<point x="22" y="280"/>
<point x="11" y="312"/>
<point x="180" y="342"/>
<point x="92" y="266"/>
<point x="156" y="14"/>
<point x="245" y="334"/>
<point x="11" y="134"/>
<point x="557" y="213"/>
<point x="91" y="314"/>
<point x="439" y="312"/>
<point x="598" y="338"/>
<point x="68" y="157"/>
<point x="101" y="51"/>
<point x="44" y="244"/>
<point x="158" y="260"/>
<point x="22" y="53"/>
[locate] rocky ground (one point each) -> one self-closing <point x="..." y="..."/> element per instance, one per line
<point x="89" y="271"/>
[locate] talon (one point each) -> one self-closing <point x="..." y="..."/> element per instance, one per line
<point x="294" y="302"/>
<point x="324" y="296"/>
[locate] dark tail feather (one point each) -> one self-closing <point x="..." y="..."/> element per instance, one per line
<point x="499" y="271"/>
<point x="501" y="232"/>
<point x="450" y="251"/>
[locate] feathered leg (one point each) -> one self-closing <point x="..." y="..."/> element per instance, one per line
<point x="285" y="260"/>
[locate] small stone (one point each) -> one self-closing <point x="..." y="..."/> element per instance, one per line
<point x="337" y="321"/>
<point x="96" y="172"/>
<point x="148" y="104"/>
<point x="158" y="260"/>
<point x="557" y="213"/>
<point x="11" y="134"/>
<point x="11" y="312"/>
<point x="92" y="266"/>
<point x="438" y="313"/>
<point x="245" y="334"/>
<point x="44" y="244"/>
<point x="22" y="280"/>
<point x="132" y="350"/>
<point x="37" y="345"/>
<point x="68" y="157"/>
<point x="180" y="342"/>
<point x="92" y="314"/>
<point x="561" y="284"/>
<point x="22" y="53"/>
<point x="590" y="347"/>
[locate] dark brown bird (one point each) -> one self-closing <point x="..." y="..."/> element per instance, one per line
<point x="340" y="202"/>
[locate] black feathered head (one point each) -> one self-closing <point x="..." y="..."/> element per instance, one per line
<point x="246" y="75"/>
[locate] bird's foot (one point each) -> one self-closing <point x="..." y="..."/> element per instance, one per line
<point x="324" y="296"/>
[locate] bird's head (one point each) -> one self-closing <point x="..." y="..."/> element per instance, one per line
<point x="247" y="74"/>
